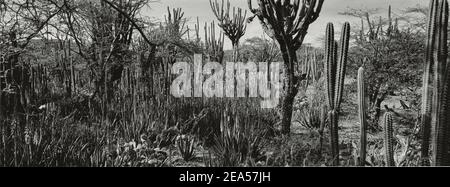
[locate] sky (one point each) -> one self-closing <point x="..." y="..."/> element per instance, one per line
<point x="330" y="13"/>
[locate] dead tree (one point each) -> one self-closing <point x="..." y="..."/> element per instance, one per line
<point x="287" y="22"/>
<point x="234" y="25"/>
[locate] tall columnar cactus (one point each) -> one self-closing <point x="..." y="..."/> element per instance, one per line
<point x="388" y="139"/>
<point x="436" y="91"/>
<point x="335" y="73"/>
<point x="362" y="116"/>
<point x="427" y="91"/>
<point x="287" y="22"/>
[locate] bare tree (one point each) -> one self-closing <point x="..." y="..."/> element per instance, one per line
<point x="21" y="21"/>
<point x="103" y="33"/>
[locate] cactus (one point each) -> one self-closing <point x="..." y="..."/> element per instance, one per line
<point x="175" y="23"/>
<point x="334" y="138"/>
<point x="287" y="22"/>
<point x="441" y="96"/>
<point x="388" y="139"/>
<point x="335" y="75"/>
<point x="362" y="116"/>
<point x="436" y="97"/>
<point x="234" y="26"/>
<point x="197" y="32"/>
<point x="427" y="90"/>
<point x="213" y="45"/>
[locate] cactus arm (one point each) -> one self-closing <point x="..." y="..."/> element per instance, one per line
<point x="250" y="7"/>
<point x="329" y="66"/>
<point x="342" y="63"/>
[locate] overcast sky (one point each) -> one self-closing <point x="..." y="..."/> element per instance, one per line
<point x="330" y="13"/>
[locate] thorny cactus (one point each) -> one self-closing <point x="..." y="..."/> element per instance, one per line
<point x="388" y="139"/>
<point x="436" y="96"/>
<point x="335" y="74"/>
<point x="441" y="96"/>
<point x="233" y="26"/>
<point x="375" y="29"/>
<point x="309" y="66"/>
<point x="362" y="101"/>
<point x="214" y="45"/>
<point x="175" y="23"/>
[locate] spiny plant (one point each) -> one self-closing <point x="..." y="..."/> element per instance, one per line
<point x="214" y="45"/>
<point x="436" y="86"/>
<point x="362" y="101"/>
<point x="287" y="22"/>
<point x="186" y="147"/>
<point x="233" y="26"/>
<point x="175" y="23"/>
<point x="309" y="67"/>
<point x="388" y="139"/>
<point x="335" y="75"/>
<point x="375" y="29"/>
<point x="314" y="70"/>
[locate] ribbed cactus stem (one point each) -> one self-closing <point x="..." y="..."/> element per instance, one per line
<point x="334" y="131"/>
<point x="427" y="89"/>
<point x="435" y="98"/>
<point x="342" y="63"/>
<point x="362" y="116"/>
<point x="389" y="139"/>
<point x="440" y="94"/>
<point x="335" y="75"/>
<point x="330" y="64"/>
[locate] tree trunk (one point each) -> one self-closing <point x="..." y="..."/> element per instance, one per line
<point x="289" y="91"/>
<point x="377" y="106"/>
<point x="235" y="52"/>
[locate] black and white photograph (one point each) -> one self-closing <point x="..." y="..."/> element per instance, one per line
<point x="245" y="84"/>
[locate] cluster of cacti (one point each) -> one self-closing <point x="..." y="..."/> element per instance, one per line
<point x="233" y="26"/>
<point x="175" y="23"/>
<point x="388" y="139"/>
<point x="335" y="73"/>
<point x="64" y="58"/>
<point x="285" y="23"/>
<point x="362" y="103"/>
<point x="436" y="88"/>
<point x="375" y="29"/>
<point x="309" y="66"/>
<point x="214" y="45"/>
<point x="387" y="124"/>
